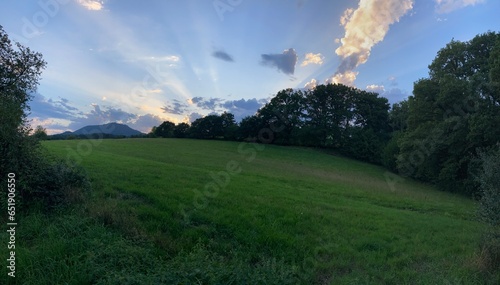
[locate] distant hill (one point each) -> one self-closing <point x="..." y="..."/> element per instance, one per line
<point x="107" y="130"/>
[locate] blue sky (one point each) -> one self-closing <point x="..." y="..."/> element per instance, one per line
<point x="143" y="62"/>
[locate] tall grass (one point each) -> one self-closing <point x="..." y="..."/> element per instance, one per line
<point x="288" y="216"/>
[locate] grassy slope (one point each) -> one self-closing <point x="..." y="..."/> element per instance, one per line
<point x="291" y="214"/>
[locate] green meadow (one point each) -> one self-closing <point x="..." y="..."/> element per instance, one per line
<point x="178" y="211"/>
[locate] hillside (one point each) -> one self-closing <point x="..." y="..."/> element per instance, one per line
<point x="111" y="129"/>
<point x="212" y="212"/>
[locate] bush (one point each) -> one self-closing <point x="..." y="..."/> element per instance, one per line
<point x="489" y="181"/>
<point x="58" y="184"/>
<point x="489" y="205"/>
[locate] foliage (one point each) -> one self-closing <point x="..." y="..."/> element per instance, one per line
<point x="58" y="184"/>
<point x="489" y="205"/>
<point x="20" y="70"/>
<point x="330" y="116"/>
<point x="40" y="133"/>
<point x="181" y="130"/>
<point x="489" y="182"/>
<point x="164" y="130"/>
<point x="38" y="181"/>
<point x="451" y="114"/>
<point x="208" y="127"/>
<point x="283" y="115"/>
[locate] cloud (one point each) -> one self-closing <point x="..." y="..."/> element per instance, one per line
<point x="176" y="108"/>
<point x="99" y="116"/>
<point x="311" y="84"/>
<point x="243" y="108"/>
<point x="145" y="123"/>
<point x="94" y="5"/>
<point x="346" y="78"/>
<point x="312" y="58"/>
<point x="447" y="6"/>
<point x="285" y="62"/>
<point x="222" y="55"/>
<point x="157" y="59"/>
<point x="43" y="108"/>
<point x="239" y="108"/>
<point x="60" y="115"/>
<point x="193" y="116"/>
<point x="375" y="88"/>
<point x="365" y="27"/>
<point x="395" y="95"/>
<point x="207" y="104"/>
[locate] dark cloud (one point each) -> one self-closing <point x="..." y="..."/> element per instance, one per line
<point x="197" y="99"/>
<point x="207" y="104"/>
<point x="349" y="63"/>
<point x="285" y="62"/>
<point x="223" y="56"/>
<point x="43" y="108"/>
<point x="194" y="116"/>
<point x="239" y="108"/>
<point x="176" y="107"/>
<point x="250" y="104"/>
<point x="243" y="108"/>
<point x="146" y="122"/>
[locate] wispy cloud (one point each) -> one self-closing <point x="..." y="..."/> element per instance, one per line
<point x="365" y="27"/>
<point x="223" y="56"/>
<point x="312" y="58"/>
<point x="94" y="5"/>
<point x="447" y="6"/>
<point x="285" y="61"/>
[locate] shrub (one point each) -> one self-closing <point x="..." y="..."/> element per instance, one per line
<point x="489" y="205"/>
<point x="58" y="184"/>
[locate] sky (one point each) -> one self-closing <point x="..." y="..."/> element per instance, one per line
<point x="144" y="62"/>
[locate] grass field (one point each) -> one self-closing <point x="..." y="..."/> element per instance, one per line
<point x="173" y="211"/>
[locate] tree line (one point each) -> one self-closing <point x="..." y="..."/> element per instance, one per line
<point x="330" y="116"/>
<point x="435" y="135"/>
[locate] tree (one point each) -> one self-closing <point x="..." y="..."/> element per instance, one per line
<point x="208" y="127"/>
<point x="368" y="130"/>
<point x="398" y="116"/>
<point x="214" y="127"/>
<point x="398" y="122"/>
<point x="181" y="130"/>
<point x="229" y="126"/>
<point x="284" y="115"/>
<point x="249" y="128"/>
<point x="164" y="130"/>
<point x="20" y="70"/>
<point x="328" y="114"/>
<point x="452" y="114"/>
<point x="38" y="180"/>
<point x="40" y="133"/>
